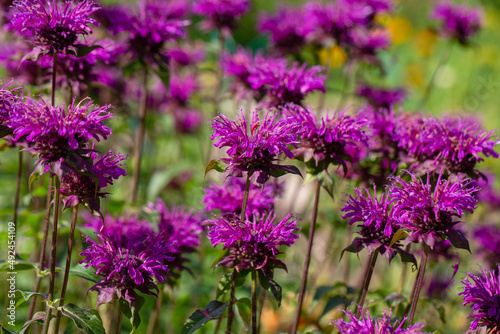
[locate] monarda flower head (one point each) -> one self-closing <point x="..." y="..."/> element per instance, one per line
<point x="428" y="211"/>
<point x="488" y="239"/>
<point x="221" y="14"/>
<point x="283" y="84"/>
<point x="381" y="98"/>
<point x="126" y="270"/>
<point x="253" y="244"/>
<point x="58" y="136"/>
<point x="381" y="325"/>
<point x="53" y="27"/>
<point x="254" y="149"/>
<point x="8" y="99"/>
<point x="327" y="140"/>
<point x="482" y="292"/>
<point x="182" y="229"/>
<point x="228" y="197"/>
<point x="86" y="187"/>
<point x="378" y="224"/>
<point x="458" y="21"/>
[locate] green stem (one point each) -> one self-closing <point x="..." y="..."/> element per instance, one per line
<point x="118" y="328"/>
<point x="140" y="137"/>
<point x="68" y="266"/>
<point x="366" y="281"/>
<point x="53" y="255"/>
<point x="254" y="302"/>
<point x="308" y="259"/>
<point x="418" y="286"/>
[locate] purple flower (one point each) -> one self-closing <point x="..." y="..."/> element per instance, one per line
<point x="328" y="140"/>
<point x="488" y="239"/>
<point x="488" y="193"/>
<point x="221" y="14"/>
<point x="228" y="197"/>
<point x="381" y="98"/>
<point x="58" y="136"/>
<point x="365" y="43"/>
<point x="428" y="211"/>
<point x="483" y="293"/>
<point x="253" y="244"/>
<point x="126" y="269"/>
<point x="284" y="85"/>
<point x="123" y="230"/>
<point x="181" y="88"/>
<point x="458" y="21"/>
<point x="367" y="325"/>
<point x="187" y="120"/>
<point x="256" y="152"/>
<point x="85" y="188"/>
<point x="185" y="55"/>
<point x="287" y="34"/>
<point x="53" y="27"/>
<point x="8" y="99"/>
<point x="378" y="224"/>
<point x="182" y="229"/>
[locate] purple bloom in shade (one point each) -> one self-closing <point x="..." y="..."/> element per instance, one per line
<point x="253" y="244"/>
<point x="488" y="239"/>
<point x="488" y="193"/>
<point x="458" y="21"/>
<point x="123" y="230"/>
<point x="483" y="293"/>
<point x="185" y="55"/>
<point x="381" y="98"/>
<point x="53" y="27"/>
<point x="228" y="197"/>
<point x="221" y="14"/>
<point x="365" y="43"/>
<point x="8" y="99"/>
<point x="378" y="224"/>
<point x="283" y="84"/>
<point x="126" y="269"/>
<point x="182" y="229"/>
<point x="380" y="325"/>
<point x="26" y="72"/>
<point x="256" y="152"/>
<point x="287" y="34"/>
<point x="428" y="212"/>
<point x="60" y="136"/>
<point x="181" y="88"/>
<point x="187" y="120"/>
<point x="85" y="188"/>
<point x="328" y="140"/>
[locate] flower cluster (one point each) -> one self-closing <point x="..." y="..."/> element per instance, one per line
<point x="53" y="27"/>
<point x="221" y="14"/>
<point x="253" y="244"/>
<point x="126" y="269"/>
<point x="256" y="152"/>
<point x="458" y="21"/>
<point x="483" y="293"/>
<point x="381" y="98"/>
<point x="329" y="140"/>
<point x="228" y="197"/>
<point x="367" y="325"/>
<point x="378" y="224"/>
<point x="428" y="211"/>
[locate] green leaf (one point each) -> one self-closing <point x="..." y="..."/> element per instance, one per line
<point x="334" y="302"/>
<point x="270" y="285"/>
<point x="5" y="330"/>
<point x="327" y="182"/>
<point x="212" y="311"/>
<point x="437" y="305"/>
<point x="88" y="321"/>
<point x="244" y="306"/>
<point x="219" y="257"/>
<point x="83" y="50"/>
<point x="28" y="294"/>
<point x="215" y="164"/>
<point x="132" y="312"/>
<point x="35" y="175"/>
<point x="399" y="235"/>
<point x="226" y="280"/>
<point x="86" y="273"/>
<point x="38" y="317"/>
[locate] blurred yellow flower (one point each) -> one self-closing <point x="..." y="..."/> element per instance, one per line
<point x="415" y="75"/>
<point x="425" y="42"/>
<point x="400" y="29"/>
<point x="334" y="56"/>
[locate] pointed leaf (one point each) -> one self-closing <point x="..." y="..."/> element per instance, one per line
<point x="38" y="317"/>
<point x="399" y="235"/>
<point x="86" y="273"/>
<point x="28" y="294"/>
<point x="406" y="256"/>
<point x="244" y="306"/>
<point x="280" y="170"/>
<point x="5" y="330"/>
<point x="225" y="282"/>
<point x="355" y="247"/>
<point x="4" y="131"/>
<point x="212" y="311"/>
<point x="215" y="164"/>
<point x="219" y="257"/>
<point x="35" y="175"/>
<point x="458" y="240"/>
<point x="268" y="284"/>
<point x="83" y="50"/>
<point x="132" y="312"/>
<point x="88" y="321"/>
<point x="327" y="182"/>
